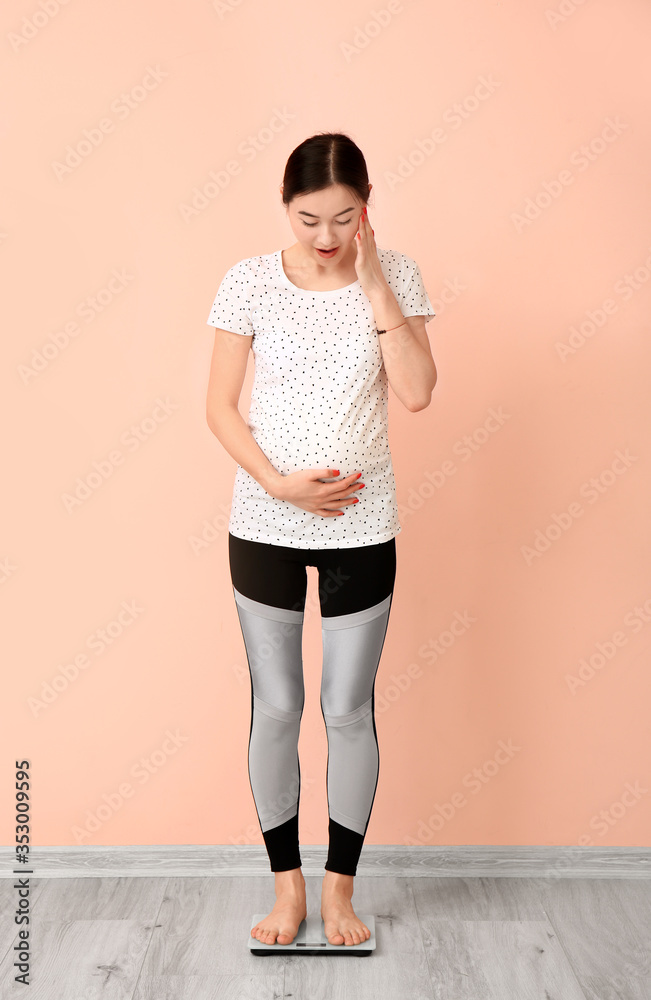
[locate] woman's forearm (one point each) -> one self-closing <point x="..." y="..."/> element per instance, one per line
<point x="232" y="431"/>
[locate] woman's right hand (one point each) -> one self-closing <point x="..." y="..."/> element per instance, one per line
<point x="305" y="490"/>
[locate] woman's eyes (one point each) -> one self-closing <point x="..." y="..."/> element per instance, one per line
<point x="310" y="224"/>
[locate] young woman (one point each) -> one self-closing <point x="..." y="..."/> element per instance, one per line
<point x="331" y="322"/>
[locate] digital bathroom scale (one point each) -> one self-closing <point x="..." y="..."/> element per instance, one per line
<point x="311" y="940"/>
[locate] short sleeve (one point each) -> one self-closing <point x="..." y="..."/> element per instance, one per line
<point x="231" y="309"/>
<point x="414" y="298"/>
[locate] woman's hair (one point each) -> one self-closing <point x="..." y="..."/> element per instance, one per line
<point x="322" y="160"/>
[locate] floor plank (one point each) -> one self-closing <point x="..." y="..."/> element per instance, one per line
<point x="398" y="967"/>
<point x="605" y="927"/>
<point x="438" y="938"/>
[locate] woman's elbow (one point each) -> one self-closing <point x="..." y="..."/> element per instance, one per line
<point x="424" y="401"/>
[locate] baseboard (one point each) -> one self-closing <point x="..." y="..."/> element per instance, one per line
<point x="395" y="861"/>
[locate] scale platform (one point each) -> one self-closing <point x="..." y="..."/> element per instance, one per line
<point x="311" y="940"/>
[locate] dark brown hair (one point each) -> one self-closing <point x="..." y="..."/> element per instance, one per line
<point x="324" y="159"/>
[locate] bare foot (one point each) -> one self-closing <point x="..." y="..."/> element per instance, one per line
<point x="282" y="924"/>
<point x="341" y="925"/>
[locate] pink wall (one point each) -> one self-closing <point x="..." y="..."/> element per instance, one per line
<point x="519" y="108"/>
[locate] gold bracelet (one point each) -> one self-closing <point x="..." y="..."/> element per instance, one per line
<point x="404" y="322"/>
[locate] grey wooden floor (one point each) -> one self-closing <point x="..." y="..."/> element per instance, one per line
<point x="445" y="938"/>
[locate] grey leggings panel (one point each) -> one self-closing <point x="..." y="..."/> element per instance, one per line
<point x="355" y="593"/>
<point x="352" y="645"/>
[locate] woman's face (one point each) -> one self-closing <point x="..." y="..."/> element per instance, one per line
<point x="326" y="220"/>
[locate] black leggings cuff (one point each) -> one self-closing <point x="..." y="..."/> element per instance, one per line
<point x="282" y="846"/>
<point x="344" y="849"/>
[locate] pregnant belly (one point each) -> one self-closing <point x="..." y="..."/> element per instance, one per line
<point x="353" y="446"/>
<point x="347" y="457"/>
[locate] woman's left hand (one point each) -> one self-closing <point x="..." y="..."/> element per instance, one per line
<point x="367" y="262"/>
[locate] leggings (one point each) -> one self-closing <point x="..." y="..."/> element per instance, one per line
<point x="355" y="594"/>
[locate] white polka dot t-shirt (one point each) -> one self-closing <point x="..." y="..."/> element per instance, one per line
<point x="319" y="397"/>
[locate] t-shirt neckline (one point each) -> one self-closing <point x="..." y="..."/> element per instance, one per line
<point x="308" y="291"/>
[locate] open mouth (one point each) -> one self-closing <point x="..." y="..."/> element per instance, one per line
<point x="327" y="253"/>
